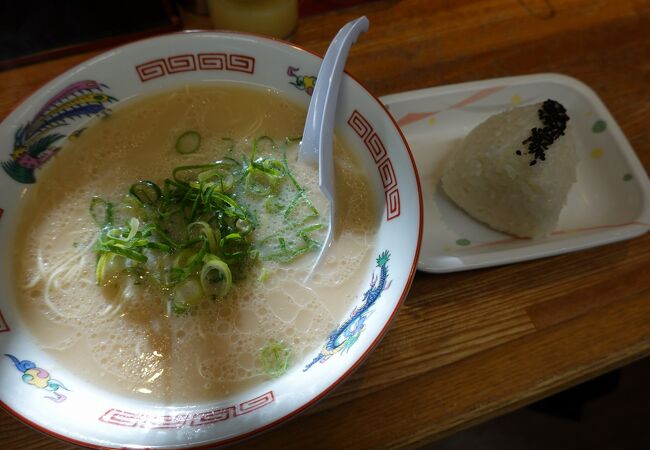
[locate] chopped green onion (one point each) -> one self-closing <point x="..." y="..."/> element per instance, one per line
<point x="260" y="182"/>
<point x="187" y="174"/>
<point x="147" y="192"/>
<point x="208" y="234"/>
<point x="188" y="142"/>
<point x="216" y="278"/>
<point x="215" y="174"/>
<point x="233" y="245"/>
<point x="134" y="224"/>
<point x="184" y="258"/>
<point x="274" y="358"/>
<point x="100" y="270"/>
<point x="263" y="144"/>
<point x="200" y="226"/>
<point x="264" y="275"/>
<point x="244" y="226"/>
<point x="273" y="167"/>
<point x="122" y="250"/>
<point x="179" y="308"/>
<point x="273" y="204"/>
<point x="187" y="294"/>
<point x="101" y="211"/>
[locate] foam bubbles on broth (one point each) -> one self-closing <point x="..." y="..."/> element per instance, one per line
<point x="138" y="348"/>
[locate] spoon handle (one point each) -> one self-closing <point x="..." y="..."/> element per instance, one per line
<point x="316" y="145"/>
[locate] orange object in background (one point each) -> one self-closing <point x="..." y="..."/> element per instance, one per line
<point x="277" y="18"/>
<point x="311" y="7"/>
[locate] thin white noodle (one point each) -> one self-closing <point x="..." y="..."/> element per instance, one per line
<point x="199" y="328"/>
<point x="63" y="345"/>
<point x="111" y="311"/>
<point x="48" y="302"/>
<point x="39" y="273"/>
<point x="72" y="267"/>
<point x="253" y="128"/>
<point x="106" y="310"/>
<point x="199" y="369"/>
<point x="43" y="270"/>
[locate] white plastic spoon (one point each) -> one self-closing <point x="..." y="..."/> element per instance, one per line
<point x="316" y="145"/>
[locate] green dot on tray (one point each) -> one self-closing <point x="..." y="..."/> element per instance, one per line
<point x="463" y="242"/>
<point x="627" y="177"/>
<point x="599" y="126"/>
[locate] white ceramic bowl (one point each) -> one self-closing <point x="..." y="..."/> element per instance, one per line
<point x="42" y="392"/>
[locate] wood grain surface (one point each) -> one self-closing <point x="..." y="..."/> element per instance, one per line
<point x="469" y="346"/>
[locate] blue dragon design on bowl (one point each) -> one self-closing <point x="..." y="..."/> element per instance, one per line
<point x="342" y="339"/>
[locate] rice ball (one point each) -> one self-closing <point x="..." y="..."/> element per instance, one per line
<point x="514" y="170"/>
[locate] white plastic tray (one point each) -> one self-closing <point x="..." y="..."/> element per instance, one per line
<point x="609" y="203"/>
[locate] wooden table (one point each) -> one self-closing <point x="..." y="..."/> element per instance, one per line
<point x="470" y="346"/>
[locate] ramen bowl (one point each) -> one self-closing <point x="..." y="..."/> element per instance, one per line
<point x="40" y="389"/>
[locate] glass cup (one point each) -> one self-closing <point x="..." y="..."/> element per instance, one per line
<point x="277" y="18"/>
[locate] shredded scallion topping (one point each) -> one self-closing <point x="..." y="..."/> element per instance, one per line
<point x="274" y="358"/>
<point x="188" y="142"/>
<point x="197" y="231"/>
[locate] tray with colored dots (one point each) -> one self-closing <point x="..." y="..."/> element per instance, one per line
<point x="610" y="201"/>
